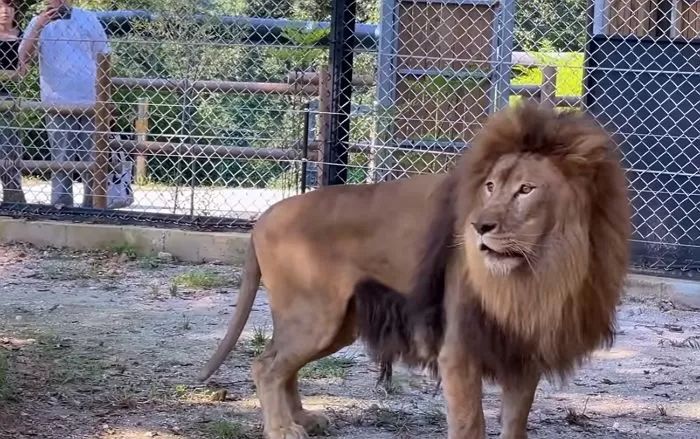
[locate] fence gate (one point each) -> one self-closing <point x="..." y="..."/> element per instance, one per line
<point x="643" y="82"/>
<point x="444" y="65"/>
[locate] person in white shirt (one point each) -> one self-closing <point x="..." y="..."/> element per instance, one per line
<point x="68" y="41"/>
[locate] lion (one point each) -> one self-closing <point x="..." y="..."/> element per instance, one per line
<point x="508" y="267"/>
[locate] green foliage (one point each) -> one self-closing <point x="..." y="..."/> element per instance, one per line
<point x="550" y="24"/>
<point x="200" y="279"/>
<point x="175" y="46"/>
<point x="223" y="429"/>
<point x="259" y="341"/>
<point x="125" y="249"/>
<point x="328" y="367"/>
<point x="302" y="56"/>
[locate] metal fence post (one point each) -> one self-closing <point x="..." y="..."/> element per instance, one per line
<point x="505" y="38"/>
<point x="341" y="60"/>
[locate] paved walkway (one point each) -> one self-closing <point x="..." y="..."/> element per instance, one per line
<point x="215" y="201"/>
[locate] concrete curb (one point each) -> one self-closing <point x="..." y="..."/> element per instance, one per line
<point x="187" y="246"/>
<point x="684" y="294"/>
<point x="230" y="247"/>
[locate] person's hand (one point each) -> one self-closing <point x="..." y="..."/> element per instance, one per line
<point x="46" y="17"/>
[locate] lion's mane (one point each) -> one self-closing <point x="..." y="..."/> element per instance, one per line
<point x="551" y="323"/>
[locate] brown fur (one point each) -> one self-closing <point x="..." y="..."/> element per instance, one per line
<point x="383" y="321"/>
<point x="576" y="309"/>
<point x="585" y="155"/>
<point x="520" y="326"/>
<point x="310" y="251"/>
<point x="329" y="257"/>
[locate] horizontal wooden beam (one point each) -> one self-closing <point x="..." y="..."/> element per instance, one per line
<point x="277" y="88"/>
<point x="46" y="165"/>
<point x="22" y="105"/>
<point x="202" y="151"/>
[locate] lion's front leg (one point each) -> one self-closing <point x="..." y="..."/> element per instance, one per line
<point x="460" y="373"/>
<point x="518" y="395"/>
<point x="462" y="388"/>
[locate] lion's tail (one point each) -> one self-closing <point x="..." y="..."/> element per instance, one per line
<point x="246" y="298"/>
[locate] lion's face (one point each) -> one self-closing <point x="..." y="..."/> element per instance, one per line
<point x="512" y="224"/>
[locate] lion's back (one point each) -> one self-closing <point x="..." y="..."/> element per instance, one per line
<point x="351" y="209"/>
<point x="368" y="228"/>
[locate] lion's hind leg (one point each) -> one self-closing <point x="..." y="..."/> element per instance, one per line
<point x="299" y="337"/>
<point x="315" y="422"/>
<point x="386" y="374"/>
<point x="269" y="374"/>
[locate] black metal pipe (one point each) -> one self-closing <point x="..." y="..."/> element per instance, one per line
<point x="305" y="148"/>
<point x="255" y="30"/>
<point x="343" y="43"/>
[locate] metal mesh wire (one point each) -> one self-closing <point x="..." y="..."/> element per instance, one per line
<point x="644" y="84"/>
<point x="222" y="107"/>
<point x="203" y="103"/>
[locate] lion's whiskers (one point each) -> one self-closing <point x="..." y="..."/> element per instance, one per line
<point x="527" y="260"/>
<point x="528" y="254"/>
<point x="459" y="240"/>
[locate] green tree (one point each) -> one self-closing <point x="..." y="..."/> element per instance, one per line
<point x="551" y="24"/>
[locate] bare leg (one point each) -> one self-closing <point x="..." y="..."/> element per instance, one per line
<point x="60" y="130"/>
<point x="85" y="151"/>
<point x="518" y="395"/>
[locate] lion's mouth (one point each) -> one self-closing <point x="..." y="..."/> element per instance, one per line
<point x="504" y="254"/>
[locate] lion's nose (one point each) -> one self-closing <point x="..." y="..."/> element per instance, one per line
<point x="483" y="227"/>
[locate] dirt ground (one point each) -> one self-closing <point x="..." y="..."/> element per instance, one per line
<point x="107" y="345"/>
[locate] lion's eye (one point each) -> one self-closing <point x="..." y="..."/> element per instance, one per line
<point x="489" y="186"/>
<point x="525" y="189"/>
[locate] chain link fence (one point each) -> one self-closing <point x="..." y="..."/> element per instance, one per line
<point x="205" y="113"/>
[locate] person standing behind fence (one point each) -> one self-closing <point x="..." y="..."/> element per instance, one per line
<point x="68" y="41"/>
<point x="10" y="144"/>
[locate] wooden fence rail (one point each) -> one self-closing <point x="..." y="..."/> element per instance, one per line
<point x="205" y="151"/>
<point x="31" y="106"/>
<point x="295" y="83"/>
<point x="46" y="165"/>
<point x="273" y="88"/>
<point x="103" y="121"/>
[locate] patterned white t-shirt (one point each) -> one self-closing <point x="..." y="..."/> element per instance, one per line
<point x="67" y="51"/>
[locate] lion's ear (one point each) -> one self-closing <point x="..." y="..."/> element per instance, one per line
<point x="589" y="146"/>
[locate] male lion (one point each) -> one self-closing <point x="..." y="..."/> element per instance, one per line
<point x="520" y="254"/>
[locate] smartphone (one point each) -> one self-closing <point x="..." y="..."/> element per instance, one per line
<point x="64" y="13"/>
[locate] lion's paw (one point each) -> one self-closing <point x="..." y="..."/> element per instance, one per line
<point x="293" y="431"/>
<point x="314" y="422"/>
